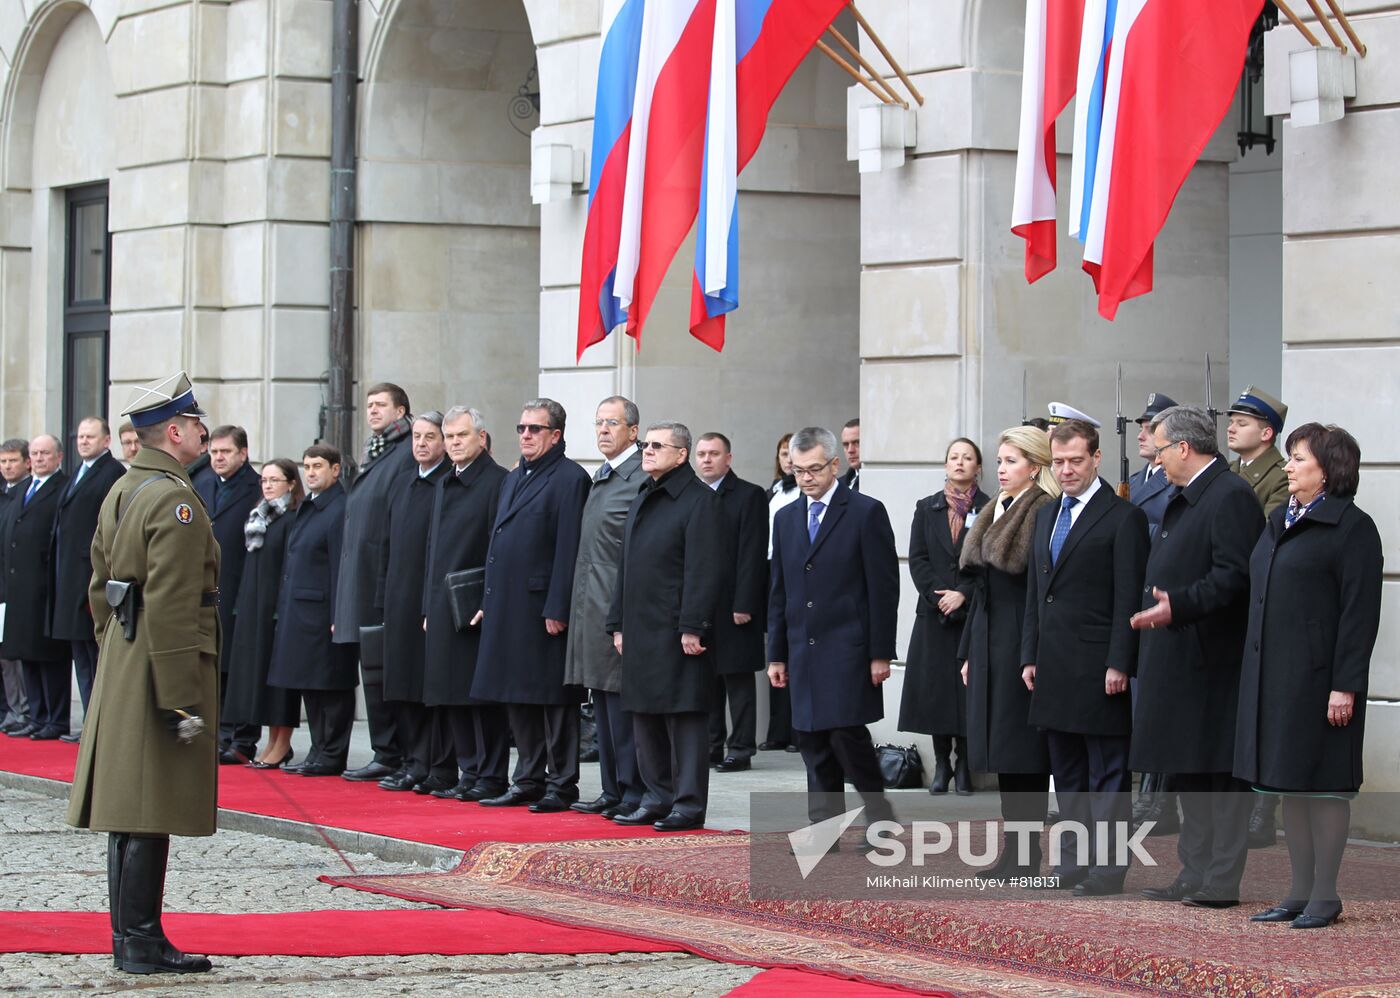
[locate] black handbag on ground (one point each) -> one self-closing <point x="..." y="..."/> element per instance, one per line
<point x="900" y="766"/>
<point x="464" y="592"/>
<point x="372" y="646"/>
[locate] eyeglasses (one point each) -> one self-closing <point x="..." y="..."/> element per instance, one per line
<point x="529" y="429"/>
<point x="600" y="423"/>
<point x="657" y="445"/>
<point x="812" y="472"/>
<point x="1157" y="451"/>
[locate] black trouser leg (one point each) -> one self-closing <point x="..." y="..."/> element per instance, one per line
<point x="411" y="723"/>
<point x="85" y="668"/>
<point x="383" y="726"/>
<point x="607" y="751"/>
<point x="116" y="853"/>
<point x="719" y="720"/>
<point x="242" y="738"/>
<point x="50" y="693"/>
<point x="1214" y="841"/>
<point x="690" y="771"/>
<point x="527" y="724"/>
<point x="743" y="714"/>
<point x="330" y="715"/>
<point x="623" y="747"/>
<point x="561" y="749"/>
<point x="653" y="742"/>
<point x="437" y="744"/>
<point x="832" y="757"/>
<point x="491" y="733"/>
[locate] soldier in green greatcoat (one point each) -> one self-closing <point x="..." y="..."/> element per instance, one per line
<point x="148" y="764"/>
<point x="1256" y="427"/>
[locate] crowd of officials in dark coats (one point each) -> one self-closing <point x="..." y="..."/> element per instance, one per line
<point x="1061" y="630"/>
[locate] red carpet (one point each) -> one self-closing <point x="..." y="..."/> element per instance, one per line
<point x="359" y="807"/>
<point x="323" y="933"/>
<point x="782" y="983"/>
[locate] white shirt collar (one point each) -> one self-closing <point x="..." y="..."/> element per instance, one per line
<point x="616" y="462"/>
<point x="425" y="474"/>
<point x="717" y="482"/>
<point x="1201" y="472"/>
<point x="1088" y="493"/>
<point x="826" y="499"/>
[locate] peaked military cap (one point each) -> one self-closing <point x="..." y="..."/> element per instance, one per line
<point x="1061" y="412"/>
<point x="1261" y="405"/>
<point x="1157" y="403"/>
<point x="161" y="400"/>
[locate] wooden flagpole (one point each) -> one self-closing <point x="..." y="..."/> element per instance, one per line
<point x="1326" y="23"/>
<point x="855" y="75"/>
<point x="865" y="65"/>
<point x="889" y="58"/>
<point x="1302" y="28"/>
<point x="1346" y="26"/>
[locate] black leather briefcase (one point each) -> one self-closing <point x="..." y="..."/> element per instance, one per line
<point x="372" y="646"/>
<point x="464" y="592"/>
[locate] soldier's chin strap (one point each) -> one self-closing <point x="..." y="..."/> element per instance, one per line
<point x="197" y="727"/>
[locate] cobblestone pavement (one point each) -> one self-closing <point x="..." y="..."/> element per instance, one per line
<point x="45" y="865"/>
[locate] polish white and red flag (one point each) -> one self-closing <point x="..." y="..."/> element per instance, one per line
<point x="1047" y="85"/>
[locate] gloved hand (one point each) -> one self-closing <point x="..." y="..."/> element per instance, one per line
<point x="186" y="724"/>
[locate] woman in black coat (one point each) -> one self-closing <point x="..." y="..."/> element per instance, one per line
<point x="249" y="699"/>
<point x="996" y="551"/>
<point x="934" y="701"/>
<point x="1315" y="579"/>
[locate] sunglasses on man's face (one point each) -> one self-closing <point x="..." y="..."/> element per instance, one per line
<point x="656" y="445"/>
<point x="530" y="429"/>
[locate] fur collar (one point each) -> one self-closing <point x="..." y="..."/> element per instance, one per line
<point x="1005" y="544"/>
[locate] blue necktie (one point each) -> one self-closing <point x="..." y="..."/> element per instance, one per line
<point x="33" y="487"/>
<point x="1062" y="525"/>
<point x="603" y="473"/>
<point x="814" y="520"/>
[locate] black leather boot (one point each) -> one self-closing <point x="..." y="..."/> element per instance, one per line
<point x="962" y="773"/>
<point x="116" y="852"/>
<point x="146" y="950"/>
<point x="942" y="768"/>
<point x="1147" y="790"/>
<point x="1263" y="831"/>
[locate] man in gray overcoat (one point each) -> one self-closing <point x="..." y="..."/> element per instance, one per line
<point x="591" y="659"/>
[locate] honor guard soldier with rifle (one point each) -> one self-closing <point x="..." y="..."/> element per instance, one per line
<point x="148" y="761"/>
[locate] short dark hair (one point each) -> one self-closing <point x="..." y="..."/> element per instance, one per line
<point x="977" y="451"/>
<point x="326" y="452"/>
<point x="851" y="424"/>
<point x="557" y="415"/>
<point x="1039" y="422"/>
<point x="1072" y="428"/>
<point x="126" y="427"/>
<point x="106" y="427"/>
<point x="397" y="395"/>
<point x="629" y="408"/>
<point x="728" y="448"/>
<point x="15" y="446"/>
<point x="238" y="433"/>
<point x="152" y="436"/>
<point x="1336" y="451"/>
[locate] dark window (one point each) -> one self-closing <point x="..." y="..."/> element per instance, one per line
<point x="87" y="312"/>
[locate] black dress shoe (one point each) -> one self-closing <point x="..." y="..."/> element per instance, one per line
<point x="1213" y="897"/>
<point x="1070" y="880"/>
<point x="400" y="781"/>
<point x="483" y="791"/>
<point x="24" y="730"/>
<point x="596" y="806"/>
<point x="792" y="748"/>
<point x="320" y="769"/>
<point x="453" y="792"/>
<point x="72" y="738"/>
<point x="732" y="765"/>
<point x="1306" y="921"/>
<point x="675" y="822"/>
<point x="230" y="757"/>
<point x="514" y="797"/>
<point x="433" y="783"/>
<point x="375" y="771"/>
<point x="549" y="804"/>
<point x="772" y="746"/>
<point x="46" y="735"/>
<point x="1278" y="913"/>
<point x="617" y="809"/>
<point x="641" y="816"/>
<point x="1098" y="887"/>
<point x="1175" y="891"/>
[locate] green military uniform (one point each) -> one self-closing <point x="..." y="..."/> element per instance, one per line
<point x="148" y="760"/>
<point x="1265" y="475"/>
<point x="133" y="774"/>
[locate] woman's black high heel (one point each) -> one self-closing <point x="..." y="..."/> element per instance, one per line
<point x="274" y="765"/>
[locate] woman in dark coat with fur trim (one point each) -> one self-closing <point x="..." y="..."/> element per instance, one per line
<point x="1315" y="583"/>
<point x="934" y="699"/>
<point x="1000" y="738"/>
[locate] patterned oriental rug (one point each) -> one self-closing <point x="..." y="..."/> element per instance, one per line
<point x="694" y="891"/>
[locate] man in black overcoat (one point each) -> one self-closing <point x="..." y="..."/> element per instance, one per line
<point x="388" y="455"/>
<point x="304" y="657"/>
<point x="741" y="617"/>
<point x="464" y="511"/>
<point x="427" y="760"/>
<point x="662" y="619"/>
<point x="230" y="489"/>
<point x="1195" y="609"/>
<point x="529" y="588"/>
<point x="14" y="470"/>
<point x="832" y="607"/>
<point x="29" y="594"/>
<point x="70" y="549"/>
<point x="1084" y="582"/>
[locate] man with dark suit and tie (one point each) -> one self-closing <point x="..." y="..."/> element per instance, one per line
<point x="14" y="480"/>
<point x="525" y="612"/>
<point x="850" y="444"/>
<point x="832" y="607"/>
<point x="70" y="559"/>
<point x="29" y="592"/>
<point x="741" y="620"/>
<point x="1195" y="612"/>
<point x="230" y="489"/>
<point x="592" y="661"/>
<point x="1078" y="648"/>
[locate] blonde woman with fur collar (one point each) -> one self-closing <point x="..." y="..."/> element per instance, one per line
<point x="1000" y="739"/>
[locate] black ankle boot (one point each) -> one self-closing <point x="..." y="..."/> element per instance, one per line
<point x="116" y="852"/>
<point x="962" y="773"/>
<point x="942" y="768"/>
<point x="145" y="949"/>
<point x="1148" y="790"/>
<point x="1263" y="831"/>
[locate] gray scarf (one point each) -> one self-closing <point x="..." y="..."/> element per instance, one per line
<point x="262" y="516"/>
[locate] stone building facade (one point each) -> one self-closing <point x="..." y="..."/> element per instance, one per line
<point x="895" y="294"/>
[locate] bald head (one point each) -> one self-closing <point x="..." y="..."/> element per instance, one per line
<point x="45" y="455"/>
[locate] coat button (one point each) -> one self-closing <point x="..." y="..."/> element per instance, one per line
<point x="809" y="568"/>
<point x="488" y="590"/>
<point x="1050" y="599"/>
<point x="1164" y="535"/>
<point x="811" y="641"/>
<point x="491" y="560"/>
<point x="809" y="604"/>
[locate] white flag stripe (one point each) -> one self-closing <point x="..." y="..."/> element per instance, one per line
<point x="662" y="25"/>
<point x="1090" y="48"/>
<point x="1035" y="196"/>
<point x="1128" y="11"/>
<point x="721" y="177"/>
